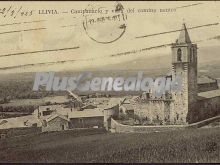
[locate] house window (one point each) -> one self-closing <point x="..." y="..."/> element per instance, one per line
<point x="177" y="116"/>
<point x="179" y="55"/>
<point x="3" y="136"/>
<point x="80" y="120"/>
<point x="34" y="125"/>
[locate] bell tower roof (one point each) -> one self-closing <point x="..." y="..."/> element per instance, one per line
<point x="184" y="35"/>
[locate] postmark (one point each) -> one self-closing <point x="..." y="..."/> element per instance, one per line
<point x="107" y="24"/>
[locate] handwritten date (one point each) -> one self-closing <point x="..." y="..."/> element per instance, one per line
<point x="14" y="12"/>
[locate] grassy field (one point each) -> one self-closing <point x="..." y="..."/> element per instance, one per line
<point x="37" y="102"/>
<point x="193" y="145"/>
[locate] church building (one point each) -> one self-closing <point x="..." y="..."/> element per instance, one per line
<point x="185" y="106"/>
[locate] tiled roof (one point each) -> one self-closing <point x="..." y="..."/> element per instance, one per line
<point x="205" y="79"/>
<point x="209" y="94"/>
<point x="86" y="113"/>
<point x="51" y="117"/>
<point x="184" y="36"/>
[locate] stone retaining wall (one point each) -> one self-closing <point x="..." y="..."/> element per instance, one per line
<point x="120" y="128"/>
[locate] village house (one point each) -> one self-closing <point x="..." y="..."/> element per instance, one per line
<point x="126" y="108"/>
<point x="55" y="122"/>
<point x="58" y="117"/>
<point x="110" y="111"/>
<point x="88" y="118"/>
<point x="42" y="111"/>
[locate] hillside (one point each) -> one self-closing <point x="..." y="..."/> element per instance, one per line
<point x="19" y="85"/>
<point x="208" y="58"/>
<point x="193" y="145"/>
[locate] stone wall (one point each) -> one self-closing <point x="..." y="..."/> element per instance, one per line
<point x="120" y="128"/>
<point x="207" y="108"/>
<point x="56" y="124"/>
<point x="154" y="111"/>
<point x="205" y="122"/>
<point x="87" y="122"/>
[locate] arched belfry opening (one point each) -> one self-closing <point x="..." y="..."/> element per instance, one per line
<point x="179" y="55"/>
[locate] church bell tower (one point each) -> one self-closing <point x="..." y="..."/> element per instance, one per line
<point x="184" y="64"/>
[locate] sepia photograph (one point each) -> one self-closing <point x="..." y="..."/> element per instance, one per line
<point x="110" y="82"/>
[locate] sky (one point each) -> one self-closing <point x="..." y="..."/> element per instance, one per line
<point x="56" y="42"/>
